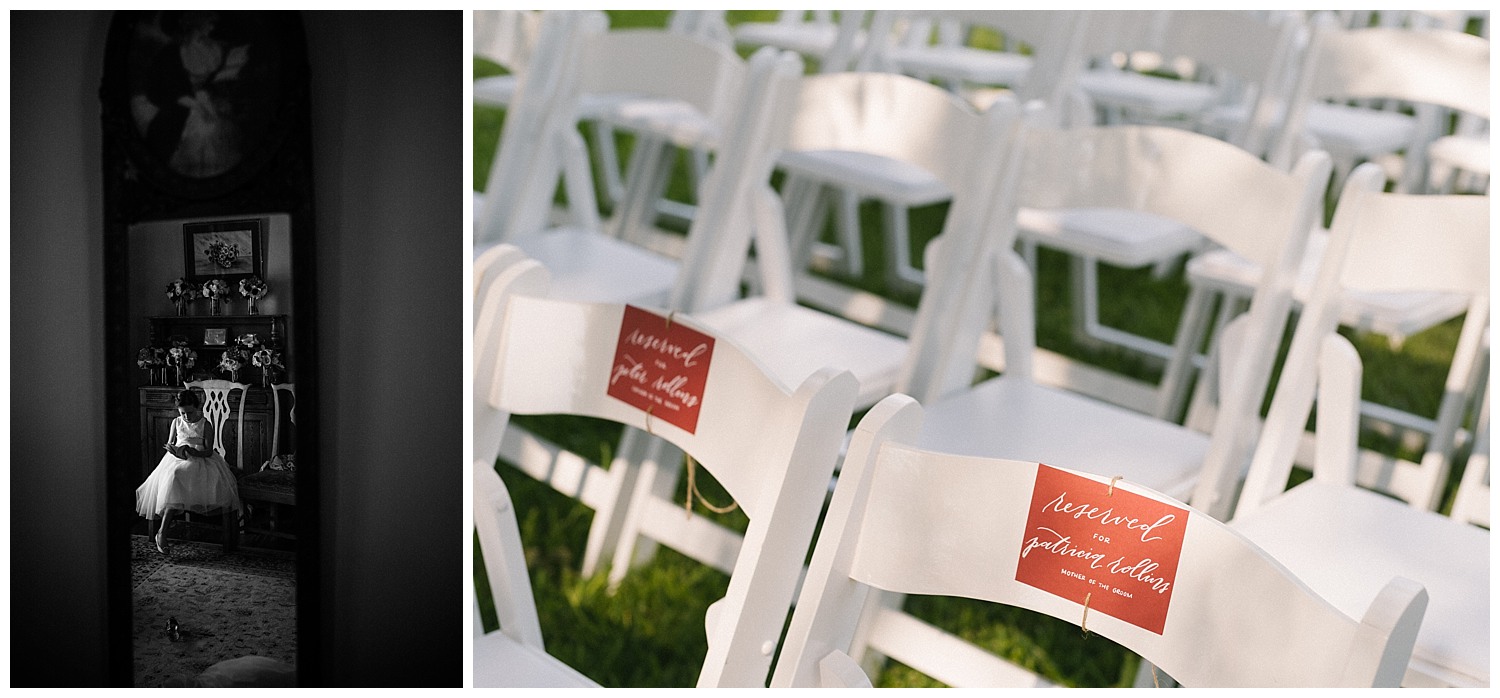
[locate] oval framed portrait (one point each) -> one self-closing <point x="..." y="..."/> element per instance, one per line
<point x="202" y="100"/>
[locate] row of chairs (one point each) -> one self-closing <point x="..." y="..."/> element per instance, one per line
<point x="1249" y="68"/>
<point x="1244" y="74"/>
<point x="939" y="358"/>
<point x="905" y="519"/>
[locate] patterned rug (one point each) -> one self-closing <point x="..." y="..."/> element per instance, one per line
<point x="226" y="606"/>
<point x="144" y="559"/>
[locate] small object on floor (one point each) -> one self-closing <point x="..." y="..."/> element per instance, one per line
<point x="241" y="672"/>
<point x="173" y="631"/>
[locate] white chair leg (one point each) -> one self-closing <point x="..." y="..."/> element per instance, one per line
<point x="650" y="168"/>
<point x="849" y="231"/>
<point x="658" y="472"/>
<point x="801" y="196"/>
<point x="611" y="188"/>
<point x="610" y="514"/>
<point x="1084" y="277"/>
<point x="900" y="271"/>
<point x="1173" y="389"/>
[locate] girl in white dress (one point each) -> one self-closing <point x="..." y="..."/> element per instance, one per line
<point x="191" y="476"/>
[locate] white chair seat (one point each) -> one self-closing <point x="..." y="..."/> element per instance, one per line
<point x="501" y="662"/>
<point x="1154" y="94"/>
<point x="1117" y="236"/>
<point x="1400" y="314"/>
<point x="1008" y="418"/>
<point x="1344" y="541"/>
<point x="587" y="266"/>
<point x="964" y="63"/>
<point x="868" y="175"/>
<point x="1468" y="153"/>
<point x="1358" y="131"/>
<point x="766" y="328"/>
<point x="495" y="90"/>
<point x="678" y="121"/>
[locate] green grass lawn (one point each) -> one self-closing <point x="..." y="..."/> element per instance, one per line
<point x="650" y="631"/>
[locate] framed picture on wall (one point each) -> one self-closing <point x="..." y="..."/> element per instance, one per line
<point x="214" y="336"/>
<point x="202" y="96"/>
<point x="230" y="250"/>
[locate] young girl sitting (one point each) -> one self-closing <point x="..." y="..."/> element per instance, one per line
<point x="190" y="477"/>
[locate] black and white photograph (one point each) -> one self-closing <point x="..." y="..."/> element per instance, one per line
<point x="236" y="323"/>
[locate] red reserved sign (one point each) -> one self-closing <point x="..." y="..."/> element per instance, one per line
<point x="1119" y="549"/>
<point x="661" y="367"/>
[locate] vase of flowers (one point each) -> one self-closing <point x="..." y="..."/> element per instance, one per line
<point x="215" y="291"/>
<point x="269" y="361"/>
<point x="232" y="361"/>
<point x="180" y="356"/>
<point x="151" y="358"/>
<point x="253" y="289"/>
<point x="180" y="293"/>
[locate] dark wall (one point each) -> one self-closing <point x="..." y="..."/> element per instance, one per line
<point x="388" y="143"/>
<point x="388" y="150"/>
<point x="57" y="592"/>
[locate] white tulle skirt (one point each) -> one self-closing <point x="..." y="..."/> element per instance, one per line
<point x="198" y="485"/>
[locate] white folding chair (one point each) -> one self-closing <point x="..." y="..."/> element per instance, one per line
<point x="1388" y="243"/>
<point x="819" y="180"/>
<point x="1432" y="67"/>
<point x="1231" y="70"/>
<point x="1226" y="193"/>
<point x="669" y="89"/>
<point x="772" y="449"/>
<point x="1329" y="530"/>
<point x="1130" y="564"/>
<point x="830" y="42"/>
<point x="698" y="94"/>
<point x="1338" y="536"/>
<point x="1431" y="70"/>
<point x="1239" y="61"/>
<point x="1396" y="307"/>
<point x="590" y="266"/>
<point x="881" y="120"/>
<point x="1029" y="36"/>
<point x="854" y="112"/>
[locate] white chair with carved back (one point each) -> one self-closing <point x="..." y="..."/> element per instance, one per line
<point x="274" y="483"/>
<point x="773" y="449"/>
<point x="1133" y="565"/>
<point x="586" y="266"/>
<point x="1329" y="527"/>
<point x="218" y="407"/>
